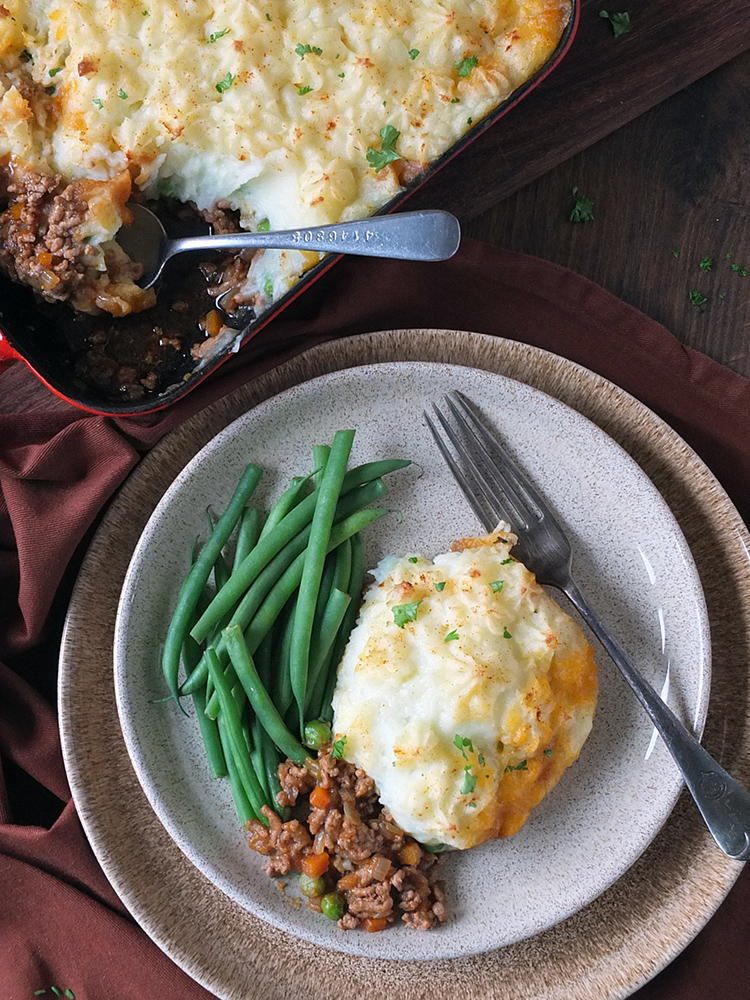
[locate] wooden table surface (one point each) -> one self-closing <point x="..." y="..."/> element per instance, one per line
<point x="654" y="128"/>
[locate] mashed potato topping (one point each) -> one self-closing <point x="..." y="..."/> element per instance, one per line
<point x="275" y="108"/>
<point x="464" y="692"/>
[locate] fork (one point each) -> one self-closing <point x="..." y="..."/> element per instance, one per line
<point x="497" y="490"/>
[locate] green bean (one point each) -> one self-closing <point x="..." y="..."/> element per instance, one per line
<point x="241" y="802"/>
<point x="322" y="522"/>
<point x="195" y="581"/>
<point x="356" y="584"/>
<point x="286" y="502"/>
<point x="264" y="708"/>
<point x="274" y="603"/>
<point x="271" y="760"/>
<point x="282" y="693"/>
<point x="247" y="535"/>
<point x="256" y="757"/>
<point x="209" y="731"/>
<point x="276" y="539"/>
<point x="243" y="612"/>
<point x="334" y="615"/>
<point x="321" y="454"/>
<point x="235" y="737"/>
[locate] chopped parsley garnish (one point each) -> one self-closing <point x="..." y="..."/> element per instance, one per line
<point x="338" y="748"/>
<point x="480" y="758"/>
<point x="225" y="84"/>
<point x="216" y="35"/>
<point x="306" y="50"/>
<point x="453" y="634"/>
<point x="342" y="75"/>
<point x="303" y="90"/>
<point x="470" y="781"/>
<point x="97" y="102"/>
<point x="517" y="767"/>
<point x="699" y="300"/>
<point x="58" y="69"/>
<point x="455" y="100"/>
<point x="413" y="559"/>
<point x="122" y="95"/>
<point x="379" y="158"/>
<point x="506" y="633"/>
<point x="497" y="585"/>
<point x="268" y="17"/>
<point x="466" y="65"/>
<point x="675" y="253"/>
<point x="413" y="53"/>
<point x="263" y="226"/>
<point x="145" y="13"/>
<point x="742" y="271"/>
<point x="403" y="613"/>
<point x="706" y="264"/>
<point x="50" y="90"/>
<point x="505" y="562"/>
<point x="440" y="586"/>
<point x="547" y="753"/>
<point x="461" y="742"/>
<point x="583" y="209"/>
<point x="268" y="287"/>
<point x="472" y="805"/>
<point x="620" y="22"/>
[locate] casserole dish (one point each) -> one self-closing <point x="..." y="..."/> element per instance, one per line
<point x="136" y="365"/>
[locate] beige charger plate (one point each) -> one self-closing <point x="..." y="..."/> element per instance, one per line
<point x="605" y="950"/>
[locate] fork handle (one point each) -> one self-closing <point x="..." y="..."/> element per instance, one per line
<point x="723" y="803"/>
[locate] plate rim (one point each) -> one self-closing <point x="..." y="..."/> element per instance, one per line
<point x="584" y="390"/>
<point x="234" y="432"/>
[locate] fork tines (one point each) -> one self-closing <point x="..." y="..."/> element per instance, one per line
<point x="490" y="481"/>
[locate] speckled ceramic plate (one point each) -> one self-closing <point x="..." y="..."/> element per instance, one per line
<point x="630" y="557"/>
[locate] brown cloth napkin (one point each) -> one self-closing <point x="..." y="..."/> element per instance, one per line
<point x="61" y="923"/>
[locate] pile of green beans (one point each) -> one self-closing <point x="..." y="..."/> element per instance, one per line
<point x="264" y="615"/>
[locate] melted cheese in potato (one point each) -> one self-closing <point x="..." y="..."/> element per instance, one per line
<point x="270" y="106"/>
<point x="489" y="662"/>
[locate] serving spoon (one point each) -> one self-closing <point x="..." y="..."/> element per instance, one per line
<point x="425" y="235"/>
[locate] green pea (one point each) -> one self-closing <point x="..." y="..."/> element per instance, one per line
<point x="309" y="886"/>
<point x="317" y="734"/>
<point x="332" y="905"/>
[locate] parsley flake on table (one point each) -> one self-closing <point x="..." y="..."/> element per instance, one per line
<point x="305" y="50"/>
<point x="706" y="264"/>
<point x="440" y="586"/>
<point x="403" y="613"/>
<point x="517" y="767"/>
<point x="699" y="300"/>
<point x="338" y="748"/>
<point x="379" y="158"/>
<point x="461" y="742"/>
<point x="675" y="253"/>
<point x="452" y="635"/>
<point x="620" y="23"/>
<point x="303" y="90"/>
<point x="413" y="53"/>
<point x="583" y="208"/>
<point x="742" y="271"/>
<point x="465" y="66"/>
<point x="497" y="585"/>
<point x="470" y="781"/>
<point x="224" y="85"/>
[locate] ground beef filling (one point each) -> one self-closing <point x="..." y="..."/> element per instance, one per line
<point x="379" y="872"/>
<point x="41" y="245"/>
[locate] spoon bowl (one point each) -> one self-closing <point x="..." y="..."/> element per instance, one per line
<point x="426" y="235"/>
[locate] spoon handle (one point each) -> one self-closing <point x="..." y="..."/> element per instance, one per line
<point x="426" y="235"/>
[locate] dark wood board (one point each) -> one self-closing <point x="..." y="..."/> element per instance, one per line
<point x="600" y="85"/>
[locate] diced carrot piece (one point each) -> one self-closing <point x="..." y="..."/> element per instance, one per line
<point x="212" y="323"/>
<point x="320" y="797"/>
<point x="45" y="258"/>
<point x="410" y="853"/>
<point x="16" y="210"/>
<point x="315" y="864"/>
<point x="372" y="924"/>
